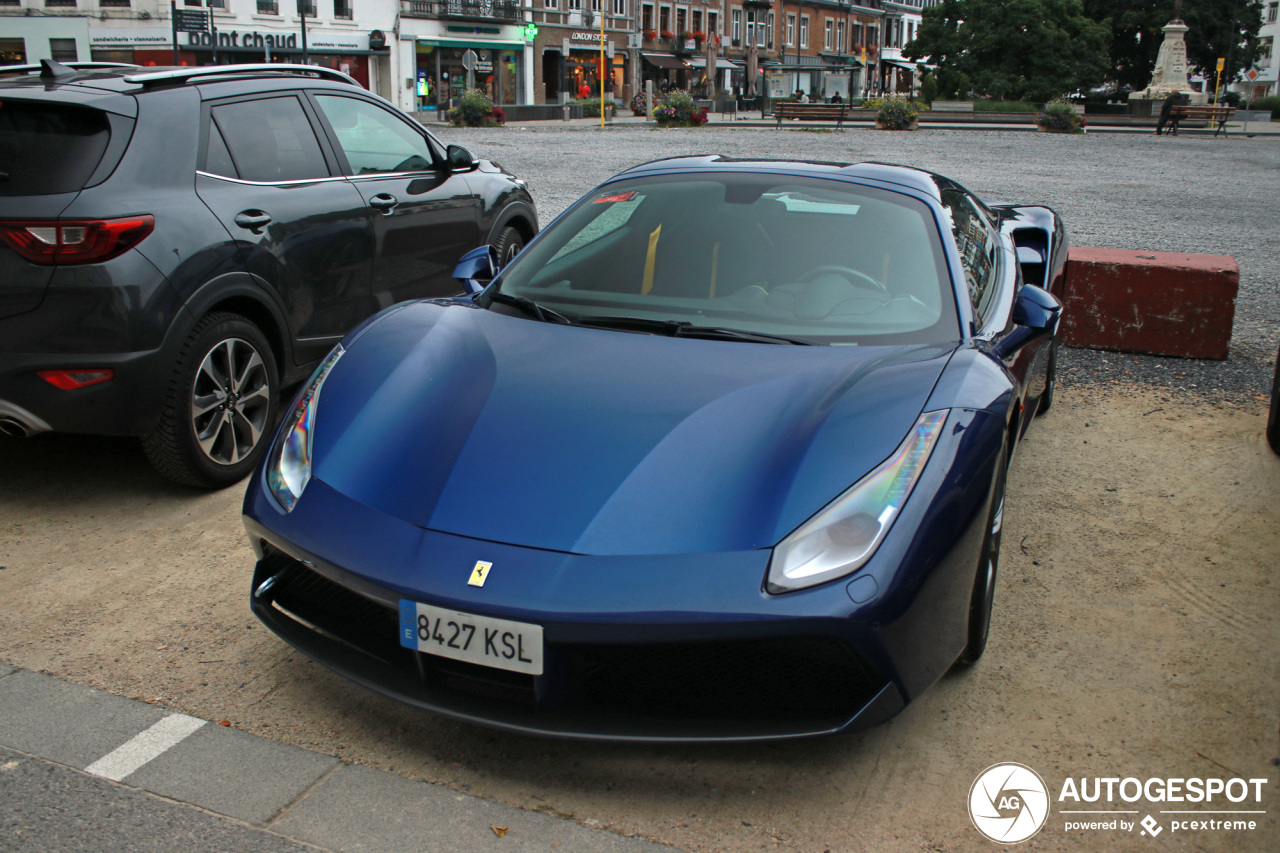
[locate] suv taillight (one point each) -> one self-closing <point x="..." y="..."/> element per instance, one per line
<point x="81" y="241"/>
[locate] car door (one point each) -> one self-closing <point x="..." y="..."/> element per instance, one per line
<point x="993" y="283"/>
<point x="301" y="228"/>
<point x="425" y="215"/>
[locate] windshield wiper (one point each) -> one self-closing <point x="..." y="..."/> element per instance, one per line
<point x="685" y="329"/>
<point x="530" y="307"/>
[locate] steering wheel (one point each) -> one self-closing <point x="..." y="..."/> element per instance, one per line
<point x="856" y="278"/>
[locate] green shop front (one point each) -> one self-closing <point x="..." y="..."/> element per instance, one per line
<point x="495" y="55"/>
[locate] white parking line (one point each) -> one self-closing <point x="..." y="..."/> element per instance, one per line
<point x="145" y="746"/>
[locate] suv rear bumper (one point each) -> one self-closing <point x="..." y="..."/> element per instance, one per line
<point x="127" y="404"/>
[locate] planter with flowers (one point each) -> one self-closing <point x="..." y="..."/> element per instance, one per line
<point x="475" y="109"/>
<point x="678" y="109"/>
<point x="1060" y="117"/>
<point x="897" y="114"/>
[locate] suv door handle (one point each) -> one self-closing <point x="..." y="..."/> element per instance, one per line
<point x="384" y="202"/>
<point x="254" y="220"/>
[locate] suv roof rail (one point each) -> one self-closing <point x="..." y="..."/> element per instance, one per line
<point x="78" y="66"/>
<point x="182" y="75"/>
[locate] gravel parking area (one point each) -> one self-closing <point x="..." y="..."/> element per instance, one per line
<point x="1135" y="627"/>
<point x="1123" y="191"/>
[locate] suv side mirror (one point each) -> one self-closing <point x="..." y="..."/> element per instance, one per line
<point x="476" y="269"/>
<point x="460" y="159"/>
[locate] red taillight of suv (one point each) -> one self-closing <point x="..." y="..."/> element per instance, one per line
<point x="81" y="241"/>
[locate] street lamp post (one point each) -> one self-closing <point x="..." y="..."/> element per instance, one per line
<point x="302" y="11"/>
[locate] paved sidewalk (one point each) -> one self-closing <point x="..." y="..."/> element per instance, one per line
<point x="752" y="120"/>
<point x="81" y="769"/>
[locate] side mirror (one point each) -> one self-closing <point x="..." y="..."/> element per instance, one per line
<point x="1035" y="315"/>
<point x="476" y="269"/>
<point x="460" y="159"/>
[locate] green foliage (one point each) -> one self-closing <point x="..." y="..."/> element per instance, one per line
<point x="1012" y="49"/>
<point x="990" y="105"/>
<point x="1060" y="116"/>
<point x="1136" y="36"/>
<point x="474" y="109"/>
<point x="928" y="87"/>
<point x="896" y="114"/>
<point x="1269" y="103"/>
<point x="591" y="107"/>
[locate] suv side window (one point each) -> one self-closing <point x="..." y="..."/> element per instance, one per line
<point x="269" y="140"/>
<point x="977" y="245"/>
<point x="375" y="140"/>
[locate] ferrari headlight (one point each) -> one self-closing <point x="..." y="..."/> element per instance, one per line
<point x="842" y="537"/>
<point x="289" y="469"/>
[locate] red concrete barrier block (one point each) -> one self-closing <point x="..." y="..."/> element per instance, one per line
<point x="1161" y="303"/>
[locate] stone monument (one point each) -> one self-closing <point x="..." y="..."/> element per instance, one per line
<point x="1170" y="74"/>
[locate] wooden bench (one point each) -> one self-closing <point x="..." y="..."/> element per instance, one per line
<point x="1196" y="112"/>
<point x="811" y="112"/>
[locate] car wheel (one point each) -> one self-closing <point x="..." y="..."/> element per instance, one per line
<point x="984" y="586"/>
<point x="1050" y="379"/>
<point x="1273" y="419"/>
<point x="219" y="406"/>
<point x="508" y="244"/>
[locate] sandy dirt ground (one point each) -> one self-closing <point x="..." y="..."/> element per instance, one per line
<point x="1135" y="634"/>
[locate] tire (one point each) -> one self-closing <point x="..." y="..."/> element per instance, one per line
<point x="508" y="244"/>
<point x="1273" y="418"/>
<point x="214" y="426"/>
<point x="1050" y="380"/>
<point x="984" y="585"/>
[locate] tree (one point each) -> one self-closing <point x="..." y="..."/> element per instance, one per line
<point x="1136" y="36"/>
<point x="1013" y="49"/>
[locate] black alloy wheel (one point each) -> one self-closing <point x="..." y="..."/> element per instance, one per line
<point x="984" y="586"/>
<point x="219" y="407"/>
<point x="1050" y="379"/>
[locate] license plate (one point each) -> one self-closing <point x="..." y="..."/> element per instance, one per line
<point x="500" y="643"/>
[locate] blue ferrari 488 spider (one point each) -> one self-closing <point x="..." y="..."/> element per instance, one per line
<point x="719" y="456"/>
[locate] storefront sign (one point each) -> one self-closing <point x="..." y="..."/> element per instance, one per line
<point x="318" y="42"/>
<point x="586" y="37"/>
<point x="155" y="37"/>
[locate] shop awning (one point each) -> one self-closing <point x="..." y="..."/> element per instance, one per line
<point x="664" y="60"/>
<point x="721" y="63"/>
<point x="898" y="63"/>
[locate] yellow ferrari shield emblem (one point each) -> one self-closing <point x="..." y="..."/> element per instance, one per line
<point x="479" y="573"/>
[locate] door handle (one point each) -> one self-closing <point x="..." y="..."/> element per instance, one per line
<point x="254" y="220"/>
<point x="384" y="202"/>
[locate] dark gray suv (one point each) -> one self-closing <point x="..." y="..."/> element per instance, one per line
<point x="177" y="245"/>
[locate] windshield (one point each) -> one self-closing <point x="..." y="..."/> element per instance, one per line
<point x="817" y="260"/>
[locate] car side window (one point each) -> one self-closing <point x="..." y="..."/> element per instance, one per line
<point x="977" y="245"/>
<point x="270" y="140"/>
<point x="375" y="140"/>
<point x="218" y="160"/>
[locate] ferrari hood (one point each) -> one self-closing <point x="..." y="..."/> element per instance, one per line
<point x="591" y="441"/>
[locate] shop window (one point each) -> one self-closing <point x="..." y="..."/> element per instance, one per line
<point x="374" y="140"/>
<point x="271" y="140"/>
<point x="342" y="9"/>
<point x="63" y="50"/>
<point x="13" y="52"/>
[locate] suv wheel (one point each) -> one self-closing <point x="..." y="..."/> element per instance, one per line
<point x="219" y="406"/>
<point x="508" y="244"/>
